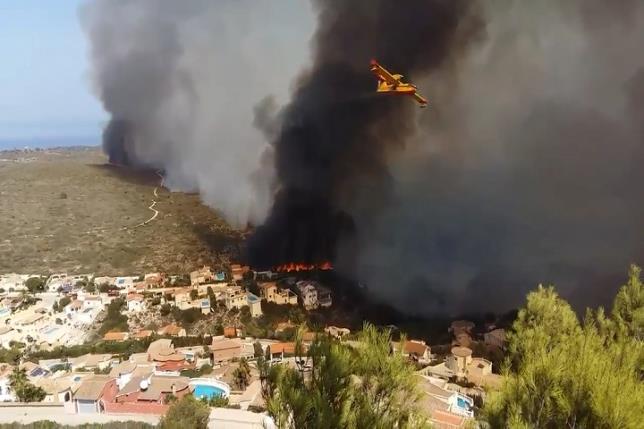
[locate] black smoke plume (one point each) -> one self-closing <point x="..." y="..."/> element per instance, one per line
<point x="525" y="168"/>
<point x="336" y="134"/>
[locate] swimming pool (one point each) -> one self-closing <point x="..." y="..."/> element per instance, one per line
<point x="209" y="388"/>
<point x="461" y="403"/>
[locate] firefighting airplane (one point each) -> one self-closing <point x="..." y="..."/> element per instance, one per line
<point x="392" y="84"/>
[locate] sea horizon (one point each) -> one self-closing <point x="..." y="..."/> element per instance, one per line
<point x="47" y="142"/>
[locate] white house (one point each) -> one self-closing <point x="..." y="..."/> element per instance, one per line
<point x="125" y="282"/>
<point x="308" y="294"/>
<point x="72" y="308"/>
<point x="14" y="282"/>
<point x="455" y="402"/>
<point x="135" y="302"/>
<point x="495" y="338"/>
<point x="92" y="301"/>
<point x="56" y="281"/>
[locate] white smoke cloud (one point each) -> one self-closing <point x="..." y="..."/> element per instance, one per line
<point x="187" y="74"/>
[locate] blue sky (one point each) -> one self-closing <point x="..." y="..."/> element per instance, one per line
<point x="45" y="91"/>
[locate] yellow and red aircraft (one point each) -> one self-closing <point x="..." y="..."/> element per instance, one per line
<point x="392" y="84"/>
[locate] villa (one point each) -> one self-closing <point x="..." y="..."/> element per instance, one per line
<point x="271" y="293"/>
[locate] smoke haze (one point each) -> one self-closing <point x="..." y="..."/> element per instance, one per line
<point x="526" y="167"/>
<point x="180" y="79"/>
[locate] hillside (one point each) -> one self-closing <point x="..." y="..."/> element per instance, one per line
<point x="66" y="210"/>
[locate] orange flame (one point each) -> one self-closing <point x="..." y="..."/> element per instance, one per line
<point x="295" y="266"/>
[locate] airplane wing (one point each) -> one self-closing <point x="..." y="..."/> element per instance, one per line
<point x="382" y="73"/>
<point x="420" y="99"/>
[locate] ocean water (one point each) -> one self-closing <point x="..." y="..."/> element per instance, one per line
<point x="48" y="142"/>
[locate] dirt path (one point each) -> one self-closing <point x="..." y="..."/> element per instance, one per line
<point x="154" y="202"/>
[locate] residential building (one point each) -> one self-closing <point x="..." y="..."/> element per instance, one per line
<point x="6" y="393"/>
<point x="308" y="294"/>
<point x="125" y="282"/>
<point x="230" y="332"/>
<point x="237" y="271"/>
<point x="459" y="361"/>
<point x="237" y="298"/>
<point x="149" y="395"/>
<point x="495" y="338"/>
<point x="73" y="307"/>
<point x="144" y="333"/>
<point x="62" y="389"/>
<point x="172" y="330"/>
<point x="272" y="293"/>
<point x="91" y="361"/>
<point x="116" y="336"/>
<point x="153" y="280"/>
<point x="324" y="296"/>
<point x="34" y="371"/>
<point x="135" y="302"/>
<point x="92" y="301"/>
<point x="167" y="359"/>
<point x="225" y="350"/>
<point x="255" y="304"/>
<point x="456" y="402"/>
<point x="416" y="350"/>
<point x="14" y="282"/>
<point x="93" y="393"/>
<point x="278" y="351"/>
<point x="126" y="370"/>
<point x="461" y="326"/>
<point x="202" y="276"/>
<point x="462" y="339"/>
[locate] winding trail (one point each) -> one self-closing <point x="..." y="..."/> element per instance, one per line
<point x="154" y="202"/>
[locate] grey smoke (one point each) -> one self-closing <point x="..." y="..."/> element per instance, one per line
<point x="526" y="167"/>
<point x="184" y="76"/>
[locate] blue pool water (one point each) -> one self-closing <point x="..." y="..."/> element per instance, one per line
<point x="460" y="403"/>
<point x="207" y="391"/>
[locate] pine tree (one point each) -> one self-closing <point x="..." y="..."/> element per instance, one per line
<point x="563" y="374"/>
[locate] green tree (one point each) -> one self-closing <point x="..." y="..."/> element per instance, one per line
<point x="23" y="389"/>
<point x="114" y="320"/>
<point x="186" y="413"/>
<point x="104" y="288"/>
<point x="628" y="308"/>
<point x="241" y="374"/>
<point x="562" y="373"/>
<point x="165" y="309"/>
<point x="194" y="294"/>
<point x="364" y="386"/>
<point x="63" y="302"/>
<point x="35" y="284"/>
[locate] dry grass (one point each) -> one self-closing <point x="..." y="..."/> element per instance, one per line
<point x="65" y="210"/>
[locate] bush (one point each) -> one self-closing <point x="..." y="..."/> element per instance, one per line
<point x="63" y="302"/>
<point x="186" y="413"/>
<point x="114" y="320"/>
<point x="35" y="284"/>
<point x="186" y="317"/>
<point x="165" y="309"/>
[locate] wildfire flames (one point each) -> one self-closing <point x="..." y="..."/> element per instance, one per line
<point x="294" y="266"/>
